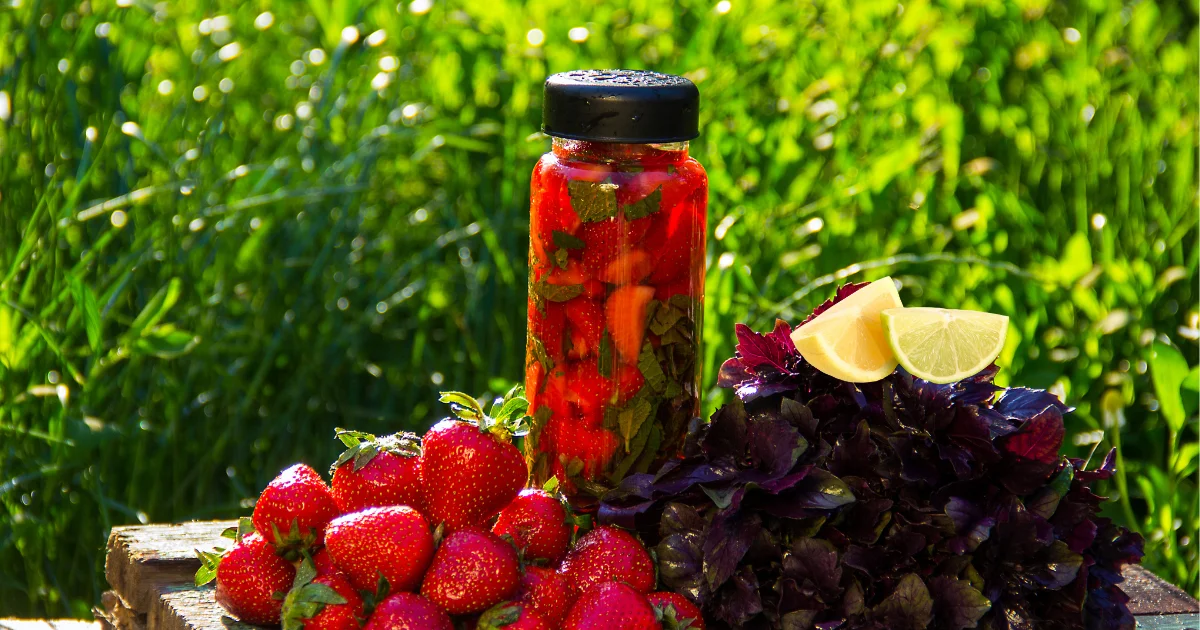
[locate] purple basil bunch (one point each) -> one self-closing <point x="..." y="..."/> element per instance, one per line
<point x="809" y="502"/>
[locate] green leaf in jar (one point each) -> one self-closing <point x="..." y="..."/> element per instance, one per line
<point x="541" y="418"/>
<point x="631" y="418"/>
<point x="665" y="317"/>
<point x="656" y="380"/>
<point x="557" y="292"/>
<point x="605" y="355"/>
<point x="566" y="240"/>
<point x="560" y="258"/>
<point x="593" y="201"/>
<point x="543" y="357"/>
<point x="645" y="206"/>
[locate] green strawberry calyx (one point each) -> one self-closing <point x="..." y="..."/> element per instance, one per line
<point x="211" y="560"/>
<point x="362" y="447"/>
<point x="670" y="618"/>
<point x="509" y="416"/>
<point x="307" y="599"/>
<point x="499" y="616"/>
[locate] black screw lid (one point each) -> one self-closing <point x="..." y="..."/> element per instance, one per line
<point x="635" y="106"/>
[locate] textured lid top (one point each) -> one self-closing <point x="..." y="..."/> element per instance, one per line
<point x="635" y="106"/>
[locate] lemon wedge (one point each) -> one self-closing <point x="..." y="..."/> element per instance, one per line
<point x="943" y="345"/>
<point x="847" y="341"/>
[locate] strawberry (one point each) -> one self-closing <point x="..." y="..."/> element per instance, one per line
<point x="321" y="602"/>
<point x="374" y="472"/>
<point x="511" y="616"/>
<point x="586" y="319"/>
<point x="625" y="312"/>
<point x="548" y="327"/>
<point x="684" y="285"/>
<point x="393" y="542"/>
<point x="588" y="389"/>
<point x="472" y="571"/>
<point x="573" y="439"/>
<point x="607" y="239"/>
<point x="248" y="578"/>
<point x="537" y="523"/>
<point x="676" y="611"/>
<point x="323" y="563"/>
<point x="547" y="593"/>
<point x="608" y="554"/>
<point x="629" y="267"/>
<point x="611" y="606"/>
<point x="546" y="214"/>
<point x="629" y="381"/>
<point x="678" y="238"/>
<point x="472" y="470"/>
<point x="294" y="508"/>
<point x="408" y="611"/>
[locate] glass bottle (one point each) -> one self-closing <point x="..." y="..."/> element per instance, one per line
<point x="618" y="218"/>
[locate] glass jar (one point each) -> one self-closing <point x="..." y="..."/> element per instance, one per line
<point x="617" y="236"/>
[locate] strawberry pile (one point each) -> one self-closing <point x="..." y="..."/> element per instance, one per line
<point x="435" y="533"/>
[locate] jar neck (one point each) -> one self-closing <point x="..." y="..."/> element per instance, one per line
<point x="620" y="152"/>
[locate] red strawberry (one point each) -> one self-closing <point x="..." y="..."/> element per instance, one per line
<point x="547" y="215"/>
<point x="393" y="541"/>
<point x="678" y="238"/>
<point x="625" y="312"/>
<point x="472" y="470"/>
<point x="605" y="240"/>
<point x="629" y="267"/>
<point x="611" y="606"/>
<point x="408" y="611"/>
<point x="683" y="285"/>
<point x="374" y="472"/>
<point x="629" y="381"/>
<point x="547" y="593"/>
<point x="315" y="605"/>
<point x="294" y="508"/>
<point x="248" y="578"/>
<point x="537" y="523"/>
<point x="578" y="439"/>
<point x="511" y="616"/>
<point x="676" y="610"/>
<point x="587" y="325"/>
<point x="472" y="571"/>
<point x="587" y="388"/>
<point x="323" y="563"/>
<point x="548" y="326"/>
<point x="608" y="554"/>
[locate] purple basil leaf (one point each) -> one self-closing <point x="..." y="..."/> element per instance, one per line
<point x="956" y="604"/>
<point x="908" y="607"/>
<point x="733" y="373"/>
<point x="1057" y="567"/>
<point x="773" y="445"/>
<point x="843" y="292"/>
<point x="739" y="601"/>
<point x="760" y="352"/>
<point x="728" y="539"/>
<point x="681" y="565"/>
<point x="1023" y="403"/>
<point x="813" y="564"/>
<point x="726" y="435"/>
<point x="1039" y="438"/>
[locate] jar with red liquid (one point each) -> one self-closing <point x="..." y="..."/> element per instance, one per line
<point x="616" y="283"/>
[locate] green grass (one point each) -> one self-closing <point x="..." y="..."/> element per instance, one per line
<point x="218" y="242"/>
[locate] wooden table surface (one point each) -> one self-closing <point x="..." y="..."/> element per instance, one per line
<point x="151" y="567"/>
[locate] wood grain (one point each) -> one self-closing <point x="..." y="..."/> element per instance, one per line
<point x="47" y="624"/>
<point x="152" y="567"/>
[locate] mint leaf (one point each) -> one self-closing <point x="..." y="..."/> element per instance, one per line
<point x="605" y="356"/>
<point x="560" y="258"/>
<point x="567" y="241"/>
<point x="593" y="201"/>
<point x="557" y="292"/>
<point x="631" y="418"/>
<point x="651" y="370"/>
<point x="543" y="357"/>
<point x="645" y="206"/>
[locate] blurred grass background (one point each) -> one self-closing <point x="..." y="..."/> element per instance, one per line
<point x="227" y="227"/>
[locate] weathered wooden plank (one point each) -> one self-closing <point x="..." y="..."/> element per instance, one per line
<point x="151" y="568"/>
<point x="1152" y="595"/>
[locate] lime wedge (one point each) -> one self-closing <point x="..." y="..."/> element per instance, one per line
<point x="847" y="341"/>
<point x="943" y="345"/>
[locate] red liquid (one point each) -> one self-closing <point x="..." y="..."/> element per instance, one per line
<point x="616" y="258"/>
